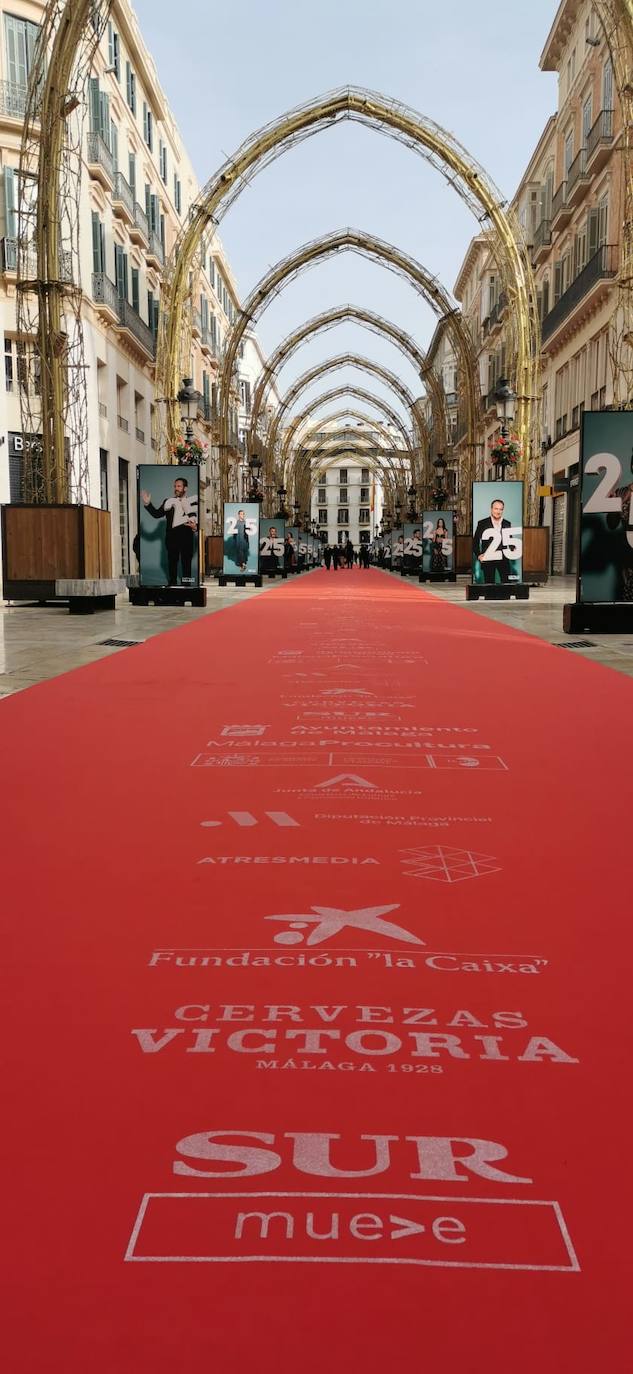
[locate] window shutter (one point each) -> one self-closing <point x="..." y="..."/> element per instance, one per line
<point x="10" y="218"/>
<point x="558" y="276"/>
<point x="593" y="231"/>
<point x="95" y="106"/>
<point x="136" y="290"/>
<point x="97" y="266"/>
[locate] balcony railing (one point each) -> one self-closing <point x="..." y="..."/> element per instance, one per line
<point x="601" y="133"/>
<point x="9" y="255"/>
<point x="130" y="319"/>
<point x="601" y="267"/>
<point x="156" y="249"/>
<point x="123" y="194"/>
<point x="577" y="173"/>
<point x="123" y="424"/>
<point x="559" y="202"/>
<point x="140" y="434"/>
<point x="104" y="292"/>
<point x="542" y="236"/>
<point x="497" y="310"/>
<point x="99" y="155"/>
<point x="141" y="221"/>
<point x="13" y="99"/>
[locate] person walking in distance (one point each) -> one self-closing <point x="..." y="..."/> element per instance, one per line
<point x="336" y="557"/>
<point x="180" y="512"/>
<point x="328" y="557"/>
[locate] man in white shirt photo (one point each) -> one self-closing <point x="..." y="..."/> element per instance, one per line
<point x="180" y="513"/>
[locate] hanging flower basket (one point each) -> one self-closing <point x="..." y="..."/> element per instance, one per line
<point x="189" y="451"/>
<point x="505" y="450"/>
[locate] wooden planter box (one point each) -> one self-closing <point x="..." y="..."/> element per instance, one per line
<point x="43" y="544"/>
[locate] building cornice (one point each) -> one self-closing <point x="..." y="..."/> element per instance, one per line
<point x="566" y="17"/>
<point x="472" y="253"/>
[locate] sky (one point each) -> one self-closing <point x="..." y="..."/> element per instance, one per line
<point x="471" y="67"/>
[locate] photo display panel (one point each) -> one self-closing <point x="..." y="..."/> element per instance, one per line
<point x="168" y="525"/>
<point x="291" y="548"/>
<point x="272" y="535"/>
<point x="241" y="531"/>
<point x="497" y="533"/>
<point x="438" y="556"/>
<point x="412" y="554"/>
<point x="397" y="549"/>
<point x="605" y="567"/>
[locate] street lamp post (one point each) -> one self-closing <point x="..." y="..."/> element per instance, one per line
<point x="505" y="400"/>
<point x="188" y="399"/>
<point x="282" y="513"/>
<point x="255" y="467"/>
<point x="440" y="494"/>
<point x="413" y="511"/>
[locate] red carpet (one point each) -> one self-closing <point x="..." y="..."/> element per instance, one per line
<point x="319" y="1048"/>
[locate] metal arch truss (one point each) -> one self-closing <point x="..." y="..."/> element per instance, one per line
<point x="335" y="394"/>
<point x="328" y="320"/>
<point x="397" y="463"/>
<point x="53" y="400"/>
<point x="376" y="249"/>
<point x="616" y="20"/>
<point x="355" y="360"/>
<point x="442" y="151"/>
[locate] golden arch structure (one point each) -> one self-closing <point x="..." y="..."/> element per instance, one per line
<point x="328" y="320"/>
<point x="378" y="250"/>
<point x="73" y="28"/>
<point x="302" y="473"/>
<point x="441" y="150"/>
<point x="363" y="364"/>
<point x="358" y="393"/>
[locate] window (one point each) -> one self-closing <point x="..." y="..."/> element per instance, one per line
<point x="98" y="245"/>
<point x="100" y="122"/>
<point x="245" y="396"/>
<point x="607" y="85"/>
<point x="136" y="290"/>
<point x="364" y="495"/>
<point x="342" y="476"/>
<point x="587" y="119"/>
<point x="163" y="161"/>
<point x="148" y="126"/>
<point x="8" y="364"/>
<point x="322" y="496"/>
<point x="11" y="184"/>
<point x="21" y="37"/>
<point x="130" y="87"/>
<point x="103" y="478"/>
<point x="132" y="173"/>
<point x="114" y="51"/>
<point x="561" y="401"/>
<point x="323" y="517"/>
<point x="153" y="310"/>
<point x="363" y="516"/>
<point x="342" y="496"/>
<point x="177" y="194"/>
<point x="212" y="272"/>
<point x="343" y="516"/>
<point x="114" y="145"/>
<point x="569" y="150"/>
<point x="121" y="272"/>
<point x="364" y="475"/>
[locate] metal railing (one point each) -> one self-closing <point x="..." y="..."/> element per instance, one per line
<point x="9" y="255"/>
<point x="99" y="155"/>
<point x="602" y="266"/>
<point x="13" y="99"/>
<point x="140" y="219"/>
<point x="600" y="132"/>
<point x="104" y="292"/>
<point x="123" y="424"/>
<point x="123" y="193"/>
<point x="577" y="171"/>
<point x="130" y="319"/>
<point x="497" y="310"/>
<point x="156" y="247"/>
<point x="543" y="235"/>
<point x="140" y="434"/>
<point x="103" y="410"/>
<point x="559" y="200"/>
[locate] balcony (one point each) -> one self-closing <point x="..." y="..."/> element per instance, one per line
<point x="122" y="199"/>
<point x="139" y="228"/>
<point x="100" y="161"/>
<point x="542" y="240"/>
<point x="155" y="251"/>
<point x="105" y="297"/>
<point x="208" y="343"/>
<point x="13" y="100"/>
<point x="9" y="249"/>
<point x="600" y="141"/>
<point x="121" y="314"/>
<point x="577" y="178"/>
<point x="130" y="323"/>
<point x="601" y="267"/>
<point x="196" y="325"/>
<point x="561" y="210"/>
<point x="496" y="314"/>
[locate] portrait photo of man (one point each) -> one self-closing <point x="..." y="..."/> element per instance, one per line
<point x="489" y="546"/>
<point x="180" y="514"/>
